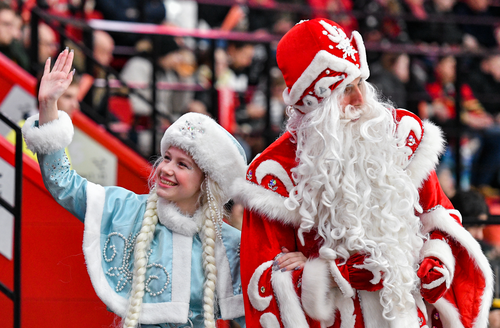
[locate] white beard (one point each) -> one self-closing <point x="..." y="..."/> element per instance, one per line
<point x="350" y="187"/>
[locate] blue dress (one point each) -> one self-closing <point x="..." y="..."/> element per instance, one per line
<point x="174" y="278"/>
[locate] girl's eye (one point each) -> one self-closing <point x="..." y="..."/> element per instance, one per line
<point x="184" y="165"/>
<point x="166" y="158"/>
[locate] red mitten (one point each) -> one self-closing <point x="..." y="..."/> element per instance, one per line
<point x="359" y="275"/>
<point x="434" y="279"/>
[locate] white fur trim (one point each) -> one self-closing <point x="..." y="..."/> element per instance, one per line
<point x="213" y="149"/>
<point x="419" y="301"/>
<point x="426" y="156"/>
<point x="346" y="309"/>
<point x="265" y="202"/>
<point x="322" y="87"/>
<point x="364" y="69"/>
<point x="441" y="219"/>
<point x="292" y="315"/>
<point x="175" y="311"/>
<point x="269" y="320"/>
<point x="449" y="316"/>
<point x="438" y="282"/>
<point x="258" y="302"/>
<point x="372" y="310"/>
<point x="50" y="137"/>
<point x="231" y="306"/>
<point x="441" y="250"/>
<point x="317" y="296"/>
<point x="372" y="313"/>
<point x="170" y="217"/>
<point x="406" y="125"/>
<point x="275" y="169"/>
<point x="323" y="60"/>
<point x="329" y="255"/>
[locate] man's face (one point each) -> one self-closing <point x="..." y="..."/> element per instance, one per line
<point x="242" y="57"/>
<point x="68" y="102"/>
<point x="103" y="53"/>
<point x="47" y="43"/>
<point x="353" y="96"/>
<point x="7" y="26"/>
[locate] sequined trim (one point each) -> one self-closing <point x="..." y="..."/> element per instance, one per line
<point x="125" y="271"/>
<point x="192" y="130"/>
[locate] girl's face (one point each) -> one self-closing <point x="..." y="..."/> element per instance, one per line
<point x="178" y="179"/>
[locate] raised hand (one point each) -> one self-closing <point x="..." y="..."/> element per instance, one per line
<point x="53" y="85"/>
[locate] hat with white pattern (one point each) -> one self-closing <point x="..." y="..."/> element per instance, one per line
<point x="215" y="151"/>
<point x="316" y="57"/>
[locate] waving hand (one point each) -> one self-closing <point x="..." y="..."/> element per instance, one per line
<point x="53" y="85"/>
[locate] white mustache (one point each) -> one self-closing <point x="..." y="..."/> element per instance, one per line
<point x="351" y="113"/>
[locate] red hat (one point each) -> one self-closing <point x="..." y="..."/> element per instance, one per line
<point x="316" y="57"/>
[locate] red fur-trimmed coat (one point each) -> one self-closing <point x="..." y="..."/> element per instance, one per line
<point x="303" y="298"/>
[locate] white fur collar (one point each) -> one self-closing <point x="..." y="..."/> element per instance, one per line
<point x="170" y="216"/>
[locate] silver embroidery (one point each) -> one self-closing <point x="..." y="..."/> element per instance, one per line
<point x="124" y="272"/>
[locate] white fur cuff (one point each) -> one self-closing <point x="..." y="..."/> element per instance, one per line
<point x="317" y="295"/>
<point x="441" y="250"/>
<point x="50" y="137"/>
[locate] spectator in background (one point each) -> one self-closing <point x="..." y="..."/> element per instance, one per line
<point x="416" y="23"/>
<point x="175" y="65"/>
<point x="104" y="46"/>
<point x="47" y="43"/>
<point x="341" y="9"/>
<point x="485" y="83"/>
<point x="68" y="103"/>
<point x="442" y="111"/>
<point x="447" y="32"/>
<point x="9" y="45"/>
<point x="381" y="21"/>
<point x="390" y="76"/>
<point x="442" y="91"/>
<point x="484" y="80"/>
<point x="145" y="11"/>
<point x="476" y="35"/>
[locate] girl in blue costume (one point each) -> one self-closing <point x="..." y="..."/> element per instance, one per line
<point x="160" y="260"/>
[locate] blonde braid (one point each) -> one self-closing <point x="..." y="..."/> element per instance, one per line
<point x="211" y="229"/>
<point x="210" y="272"/>
<point x="142" y="244"/>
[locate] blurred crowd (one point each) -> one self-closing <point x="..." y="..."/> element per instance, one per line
<point x="415" y="49"/>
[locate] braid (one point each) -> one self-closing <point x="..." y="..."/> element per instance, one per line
<point x="210" y="272"/>
<point x="142" y="244"/>
<point x="211" y="230"/>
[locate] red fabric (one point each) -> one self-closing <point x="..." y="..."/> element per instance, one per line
<point x="299" y="46"/>
<point x="431" y="195"/>
<point x="428" y="274"/>
<point x="412" y="140"/>
<point x="357" y="277"/>
<point x="263" y="237"/>
<point x="468" y="286"/>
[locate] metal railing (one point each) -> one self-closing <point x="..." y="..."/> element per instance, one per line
<point x="59" y="24"/>
<point x="15" y="294"/>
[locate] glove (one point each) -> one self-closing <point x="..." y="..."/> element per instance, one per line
<point x="359" y="275"/>
<point x="434" y="279"/>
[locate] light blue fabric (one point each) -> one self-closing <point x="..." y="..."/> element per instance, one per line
<point x="122" y="217"/>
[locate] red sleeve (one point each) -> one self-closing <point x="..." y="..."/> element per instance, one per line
<point x="466" y="303"/>
<point x="431" y="195"/>
<point x="264" y="288"/>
